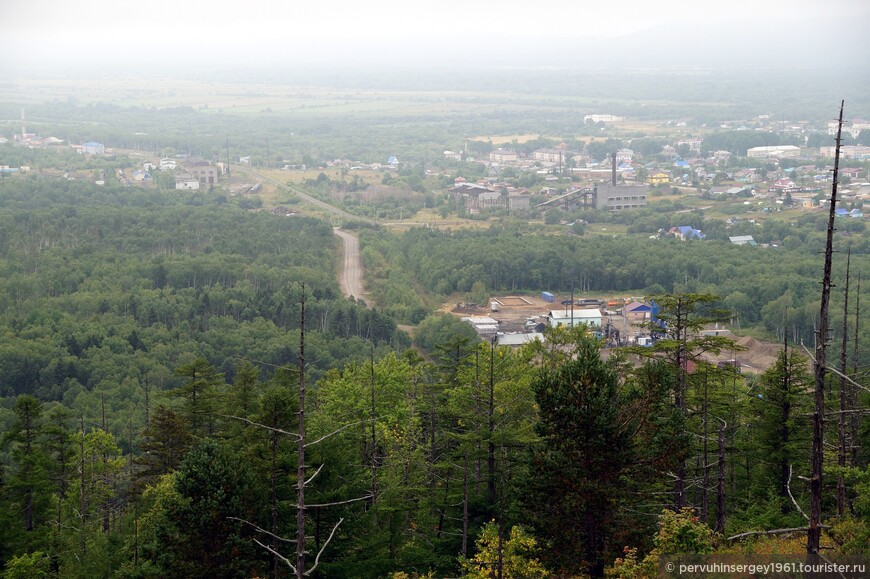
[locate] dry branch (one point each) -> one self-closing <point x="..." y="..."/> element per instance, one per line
<point x="773" y="532"/>
<point x="791" y="496"/>
<point x="251" y="422"/>
<point x="261" y="530"/>
<point x="319" y="553"/>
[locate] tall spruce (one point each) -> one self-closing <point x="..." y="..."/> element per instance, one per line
<point x="585" y="448"/>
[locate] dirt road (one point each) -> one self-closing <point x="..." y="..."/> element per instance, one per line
<point x="350" y="277"/>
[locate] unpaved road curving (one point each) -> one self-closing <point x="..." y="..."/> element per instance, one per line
<point x="351" y="271"/>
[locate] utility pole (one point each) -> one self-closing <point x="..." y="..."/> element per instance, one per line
<point x="814" y="533"/>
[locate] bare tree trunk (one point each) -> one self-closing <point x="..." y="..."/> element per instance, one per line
<point x="853" y="393"/>
<point x="814" y="534"/>
<point x="28" y="451"/>
<point x="465" y="507"/>
<point x="784" y="428"/>
<point x="440" y="527"/>
<point x="105" y="505"/>
<point x="147" y="389"/>
<point x="680" y="484"/>
<point x="490" y="460"/>
<point x="478" y="412"/>
<point x="841" y="426"/>
<point x="300" y="451"/>
<point x="273" y="496"/>
<point x="373" y="458"/>
<point x="720" y="487"/>
<point x="82" y="497"/>
<point x="705" y="480"/>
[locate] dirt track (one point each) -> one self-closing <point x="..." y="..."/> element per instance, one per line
<point x="350" y="276"/>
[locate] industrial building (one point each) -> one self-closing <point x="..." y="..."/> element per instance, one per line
<point x="589" y="317"/>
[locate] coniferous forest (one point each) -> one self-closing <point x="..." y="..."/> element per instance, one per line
<point x="185" y="393"/>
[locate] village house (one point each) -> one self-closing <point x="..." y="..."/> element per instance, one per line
<point x="686" y="232"/>
<point x="784" y="186"/>
<point x="659" y="178"/>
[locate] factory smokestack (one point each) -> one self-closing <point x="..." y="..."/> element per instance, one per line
<point x="613" y="169"/>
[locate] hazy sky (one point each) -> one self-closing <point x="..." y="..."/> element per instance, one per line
<point x="97" y="31"/>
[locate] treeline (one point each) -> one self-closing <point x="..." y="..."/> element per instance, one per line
<point x="756" y="285"/>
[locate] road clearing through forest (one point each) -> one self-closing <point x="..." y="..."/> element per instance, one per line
<point x="350" y="277"/>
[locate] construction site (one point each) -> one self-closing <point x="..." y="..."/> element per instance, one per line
<point x="620" y="321"/>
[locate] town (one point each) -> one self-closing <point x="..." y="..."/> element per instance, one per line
<point x="416" y="290"/>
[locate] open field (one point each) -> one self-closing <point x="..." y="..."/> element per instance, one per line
<point x="292" y="99"/>
<point x="499" y="140"/>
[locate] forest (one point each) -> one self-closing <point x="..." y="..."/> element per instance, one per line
<point x="756" y="286"/>
<point x="184" y="392"/>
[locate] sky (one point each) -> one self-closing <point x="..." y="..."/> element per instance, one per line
<point x="104" y="32"/>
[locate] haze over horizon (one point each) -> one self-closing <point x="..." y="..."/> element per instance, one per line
<point x="100" y="35"/>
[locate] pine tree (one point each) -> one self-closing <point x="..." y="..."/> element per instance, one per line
<point x="26" y="488"/>
<point x="585" y="448"/>
<point x="780" y="407"/>
<point x="167" y="441"/>
<point x="199" y="395"/>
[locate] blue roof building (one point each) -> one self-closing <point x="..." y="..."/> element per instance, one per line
<point x="94" y="148"/>
<point x="685" y="232"/>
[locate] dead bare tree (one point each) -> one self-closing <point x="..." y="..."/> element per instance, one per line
<point x="298" y="568"/>
<point x="844" y="395"/>
<point x="720" y="481"/>
<point x="814" y="532"/>
<point x="853" y="392"/>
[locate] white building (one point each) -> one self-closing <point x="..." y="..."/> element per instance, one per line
<point x="694" y="145"/>
<point x="774" y="152"/>
<point x="624" y="156"/>
<point x="518" y="338"/>
<point x="187" y="183"/>
<point x="591" y="318"/>
<point x="595" y="118"/>
<point x="859" y="152"/>
<point x="550" y="156"/>
<point x="485" y="326"/>
<point x="503" y="156"/>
